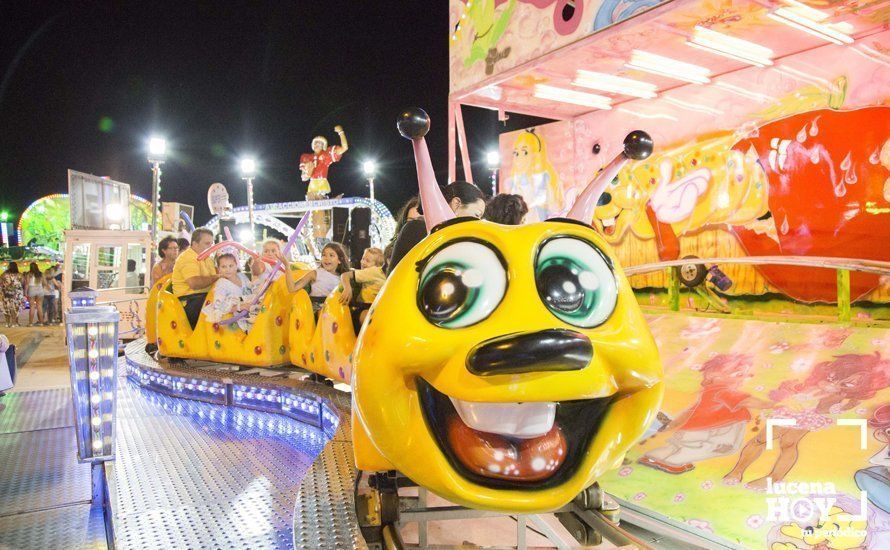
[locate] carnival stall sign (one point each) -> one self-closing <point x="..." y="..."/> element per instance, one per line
<point x="113" y="263"/>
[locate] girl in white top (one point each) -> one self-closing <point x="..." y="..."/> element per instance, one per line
<point x="232" y="292"/>
<point x="326" y="278"/>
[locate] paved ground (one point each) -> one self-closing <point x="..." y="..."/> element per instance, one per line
<point x="42" y="357"/>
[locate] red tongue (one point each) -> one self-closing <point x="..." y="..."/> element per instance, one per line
<point x="610" y="230"/>
<point x="495" y="456"/>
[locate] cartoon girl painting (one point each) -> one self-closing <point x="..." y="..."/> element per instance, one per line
<point x="533" y="177"/>
<point x="840" y="385"/>
<point x="715" y="425"/>
<point x="875" y="480"/>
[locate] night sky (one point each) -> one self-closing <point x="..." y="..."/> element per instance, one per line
<point x="84" y="85"/>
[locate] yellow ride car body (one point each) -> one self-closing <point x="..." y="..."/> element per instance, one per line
<point x="266" y="344"/>
<point x="401" y="354"/>
<point x="401" y="358"/>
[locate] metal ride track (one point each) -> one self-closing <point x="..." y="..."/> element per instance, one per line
<point x="324" y="515"/>
<point x="382" y="223"/>
<point x="190" y="473"/>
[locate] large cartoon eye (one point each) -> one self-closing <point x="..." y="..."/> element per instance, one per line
<point x="461" y="285"/>
<point x="576" y="282"/>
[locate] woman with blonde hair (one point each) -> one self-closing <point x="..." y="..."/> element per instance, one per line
<point x="533" y="177"/>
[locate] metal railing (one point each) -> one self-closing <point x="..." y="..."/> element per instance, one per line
<point x="843" y="267"/>
<point x="141" y="288"/>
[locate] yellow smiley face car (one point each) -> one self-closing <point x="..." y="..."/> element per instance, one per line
<point x="504" y="367"/>
<point x="524" y="368"/>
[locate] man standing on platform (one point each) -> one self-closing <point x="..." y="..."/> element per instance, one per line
<point x="314" y="169"/>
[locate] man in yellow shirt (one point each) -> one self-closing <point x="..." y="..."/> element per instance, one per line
<point x="192" y="278"/>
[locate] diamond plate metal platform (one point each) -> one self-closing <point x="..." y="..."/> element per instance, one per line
<point x="325" y="511"/>
<point x="195" y="474"/>
<point x="40" y="471"/>
<point x="44" y="492"/>
<point x="36" y="410"/>
<point x="77" y="527"/>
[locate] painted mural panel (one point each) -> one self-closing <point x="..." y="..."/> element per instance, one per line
<point x="489" y="36"/>
<point x="709" y="444"/>
<point x="790" y="160"/>
<point x="539" y="172"/>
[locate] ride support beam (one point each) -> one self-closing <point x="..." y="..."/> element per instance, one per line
<point x="674" y="288"/>
<point x="452" y="145"/>
<point x="462" y="142"/>
<point x="844" y="311"/>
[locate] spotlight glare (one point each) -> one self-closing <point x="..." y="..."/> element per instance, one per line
<point x="157" y="146"/>
<point x="369" y="167"/>
<point x="493" y="159"/>
<point x="248" y="167"/>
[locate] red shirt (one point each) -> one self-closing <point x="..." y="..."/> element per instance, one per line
<point x="717" y="406"/>
<point x="322" y="161"/>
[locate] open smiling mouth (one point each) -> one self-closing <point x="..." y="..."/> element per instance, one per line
<point x="532" y="445"/>
<point x="609" y="224"/>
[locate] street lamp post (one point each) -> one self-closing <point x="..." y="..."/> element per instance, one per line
<point x="493" y="160"/>
<point x="157" y="154"/>
<point x="248" y="172"/>
<point x="369" y="167"/>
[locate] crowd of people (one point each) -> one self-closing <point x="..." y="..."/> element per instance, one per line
<point x="235" y="291"/>
<point x="192" y="279"/>
<point x="465" y="200"/>
<point x="37" y="290"/>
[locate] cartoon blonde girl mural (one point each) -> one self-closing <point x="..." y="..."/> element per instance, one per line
<point x="840" y="385"/>
<point x="533" y="177"/>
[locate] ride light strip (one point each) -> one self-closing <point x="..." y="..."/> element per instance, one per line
<point x="543" y="91"/>
<point x="795" y="18"/>
<point x="671" y="68"/>
<point x="615" y="84"/>
<point x="731" y="47"/>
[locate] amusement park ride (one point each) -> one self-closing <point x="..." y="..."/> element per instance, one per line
<point x="537" y="387"/>
<point x="574" y="375"/>
<point x="510" y="370"/>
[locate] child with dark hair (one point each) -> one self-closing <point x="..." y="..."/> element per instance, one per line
<point x="232" y="292"/>
<point x="183" y="243"/>
<point x="506" y="209"/>
<point x="409" y="211"/>
<point x="325" y="278"/>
